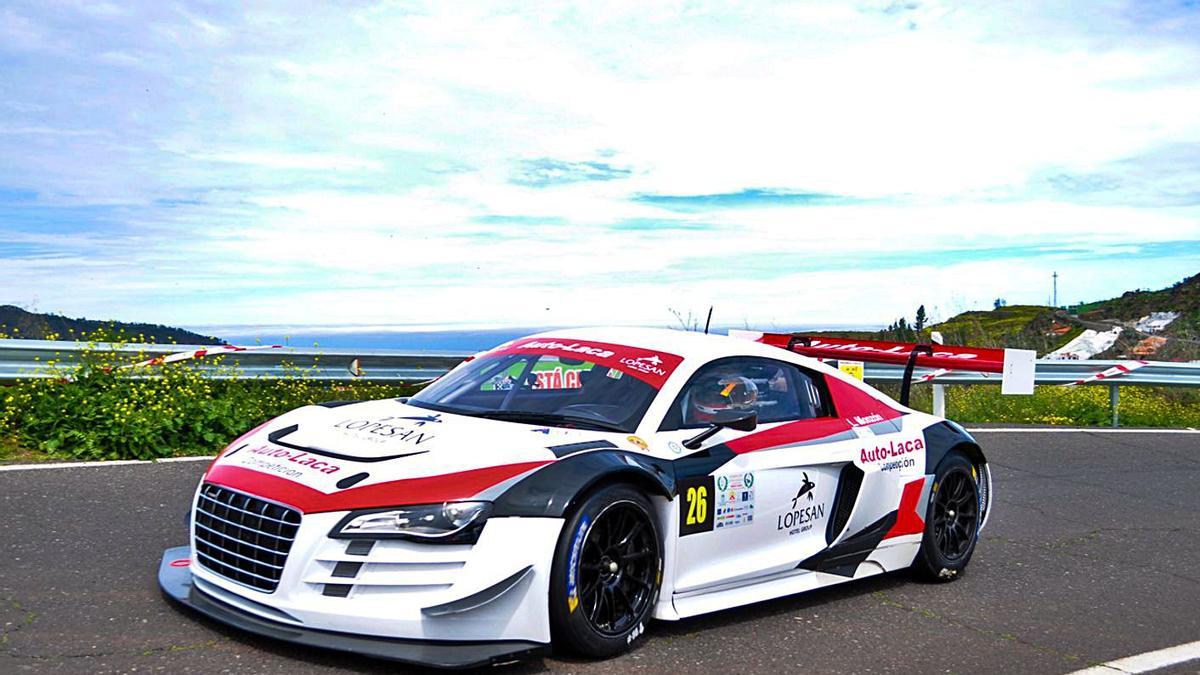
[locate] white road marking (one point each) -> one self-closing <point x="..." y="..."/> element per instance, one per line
<point x="110" y="462"/>
<point x="1019" y="430"/>
<point x="1144" y="663"/>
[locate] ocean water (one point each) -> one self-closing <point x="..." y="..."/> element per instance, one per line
<point x="451" y="341"/>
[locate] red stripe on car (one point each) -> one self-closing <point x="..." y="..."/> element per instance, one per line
<point x="908" y="517"/>
<point x="786" y="434"/>
<point x="425" y="490"/>
<point x="854" y="408"/>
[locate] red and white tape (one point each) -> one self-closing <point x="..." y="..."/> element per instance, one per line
<point x="937" y="373"/>
<point x="198" y="354"/>
<point x="1115" y="371"/>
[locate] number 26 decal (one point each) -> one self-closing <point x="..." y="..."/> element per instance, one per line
<point x="695" y="505"/>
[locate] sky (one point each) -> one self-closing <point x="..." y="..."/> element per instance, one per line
<point x="477" y="164"/>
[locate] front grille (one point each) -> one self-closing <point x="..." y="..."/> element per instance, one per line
<point x="243" y="538"/>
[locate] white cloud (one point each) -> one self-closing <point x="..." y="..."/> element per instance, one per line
<point x="373" y="154"/>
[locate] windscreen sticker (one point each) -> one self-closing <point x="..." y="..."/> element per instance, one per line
<point x="652" y="367"/>
<point x="549" y="374"/>
<point x="735" y="500"/>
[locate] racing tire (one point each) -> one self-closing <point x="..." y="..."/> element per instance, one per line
<point x="607" y="573"/>
<point x="951" y="521"/>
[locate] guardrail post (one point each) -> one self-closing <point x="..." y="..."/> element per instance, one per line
<point x="939" y="390"/>
<point x="939" y="400"/>
<point x="1114" y="398"/>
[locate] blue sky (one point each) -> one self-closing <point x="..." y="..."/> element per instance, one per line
<point x="518" y="164"/>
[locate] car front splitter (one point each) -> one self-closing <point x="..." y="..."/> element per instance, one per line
<point x="175" y="580"/>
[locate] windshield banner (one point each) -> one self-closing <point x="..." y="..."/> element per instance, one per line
<point x="651" y="367"/>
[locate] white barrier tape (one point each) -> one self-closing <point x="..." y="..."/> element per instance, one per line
<point x="198" y="354"/>
<point x="1115" y="371"/>
<point x="937" y="373"/>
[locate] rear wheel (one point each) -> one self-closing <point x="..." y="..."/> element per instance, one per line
<point x="607" y="571"/>
<point x="951" y="522"/>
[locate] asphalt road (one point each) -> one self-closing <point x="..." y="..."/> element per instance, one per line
<point x="1092" y="554"/>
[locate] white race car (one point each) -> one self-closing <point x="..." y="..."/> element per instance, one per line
<point x="569" y="487"/>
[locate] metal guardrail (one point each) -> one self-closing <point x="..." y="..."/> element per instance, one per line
<point x="25" y="359"/>
<point x="1051" y="372"/>
<point x="21" y="359"/>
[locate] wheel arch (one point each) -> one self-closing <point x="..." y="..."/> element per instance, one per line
<point x="945" y="437"/>
<point x="554" y="490"/>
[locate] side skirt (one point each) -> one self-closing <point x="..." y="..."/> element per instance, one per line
<point x="792" y="582"/>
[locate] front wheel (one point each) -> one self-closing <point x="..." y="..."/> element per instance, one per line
<point x="607" y="572"/>
<point x="951" y="522"/>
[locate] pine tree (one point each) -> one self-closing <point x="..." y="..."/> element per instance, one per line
<point x="921" y="318"/>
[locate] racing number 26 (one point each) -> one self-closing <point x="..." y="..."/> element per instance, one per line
<point x="696" y="504"/>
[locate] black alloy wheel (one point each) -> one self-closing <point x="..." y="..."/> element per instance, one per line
<point x="955" y="515"/>
<point x="951" y="521"/>
<point x="617" y="568"/>
<point x="607" y="572"/>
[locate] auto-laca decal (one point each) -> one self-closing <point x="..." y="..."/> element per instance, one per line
<point x="650" y="366"/>
<point x="573" y="564"/>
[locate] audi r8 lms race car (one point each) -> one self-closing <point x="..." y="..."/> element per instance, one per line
<point x="571" y="486"/>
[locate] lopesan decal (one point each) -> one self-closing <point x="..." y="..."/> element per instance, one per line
<point x="735" y="501"/>
<point x="650" y="365"/>
<point x="805" y="512"/>
<point x="389" y="429"/>
<point x="573" y="564"/>
<point x="805" y="490"/>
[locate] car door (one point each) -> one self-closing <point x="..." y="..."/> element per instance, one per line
<point x="755" y="504"/>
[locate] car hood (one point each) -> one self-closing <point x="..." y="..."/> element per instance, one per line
<point x="391" y="451"/>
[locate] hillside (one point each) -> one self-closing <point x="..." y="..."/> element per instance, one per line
<point x="1017" y="326"/>
<point x="1179" y="341"/>
<point x="1045" y="329"/>
<point x="1183" y="297"/>
<point x="18" y="323"/>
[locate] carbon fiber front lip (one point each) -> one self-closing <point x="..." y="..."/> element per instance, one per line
<point x="176" y="584"/>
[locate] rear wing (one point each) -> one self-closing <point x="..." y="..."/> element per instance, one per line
<point x="1015" y="366"/>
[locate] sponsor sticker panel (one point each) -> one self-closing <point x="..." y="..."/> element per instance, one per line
<point x="735" y="500"/>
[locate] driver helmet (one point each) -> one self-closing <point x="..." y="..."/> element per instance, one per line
<point x="717" y="394"/>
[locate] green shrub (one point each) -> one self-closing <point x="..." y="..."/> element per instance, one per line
<point x="101" y="409"/>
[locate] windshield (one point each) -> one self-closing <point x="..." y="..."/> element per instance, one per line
<point x="524" y="383"/>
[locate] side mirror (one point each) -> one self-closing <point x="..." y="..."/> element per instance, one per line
<point x="741" y="421"/>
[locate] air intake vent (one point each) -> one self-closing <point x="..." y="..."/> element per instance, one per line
<point x="243" y="538"/>
<point x="849" y="483"/>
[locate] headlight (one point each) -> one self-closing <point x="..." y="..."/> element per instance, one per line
<point x="448" y="523"/>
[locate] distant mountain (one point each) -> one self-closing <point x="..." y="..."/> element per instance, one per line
<point x="18" y="323"/>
